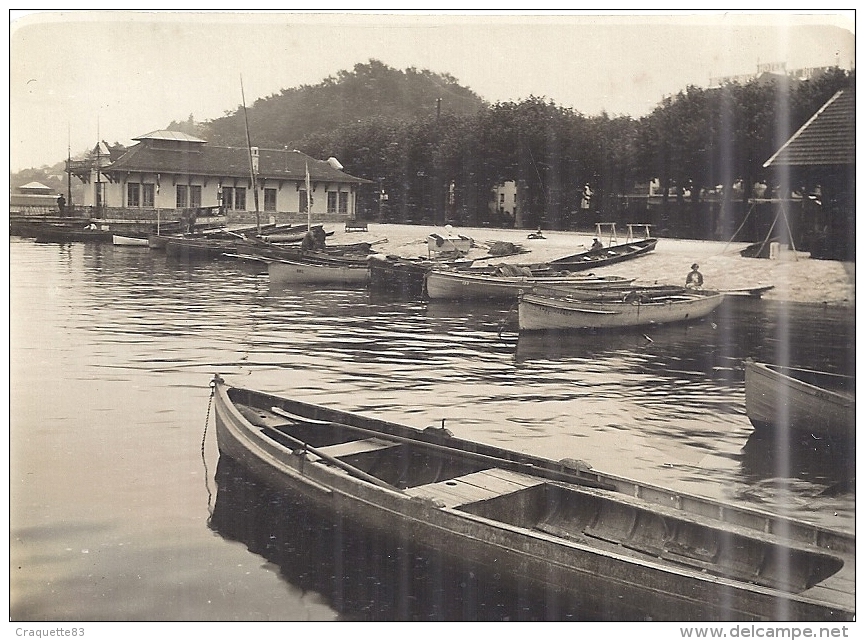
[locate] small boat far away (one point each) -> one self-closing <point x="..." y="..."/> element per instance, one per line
<point x="603" y="256"/>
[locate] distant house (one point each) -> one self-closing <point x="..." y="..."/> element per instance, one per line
<point x="170" y="171"/>
<point x="820" y="158"/>
<point x="33" y="198"/>
<point x="503" y="205"/>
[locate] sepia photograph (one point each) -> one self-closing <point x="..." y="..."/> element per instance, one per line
<point x="475" y="316"/>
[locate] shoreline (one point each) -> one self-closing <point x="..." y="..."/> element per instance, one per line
<point x="796" y="277"/>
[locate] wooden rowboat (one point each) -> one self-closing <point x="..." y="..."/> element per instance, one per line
<point x="318" y="271"/>
<point x="539" y="311"/>
<point x="458" y="285"/>
<point x="558" y="525"/>
<point x="792" y="399"/>
<point x="603" y="256"/>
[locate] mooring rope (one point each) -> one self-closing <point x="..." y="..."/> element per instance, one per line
<point x="203" y="456"/>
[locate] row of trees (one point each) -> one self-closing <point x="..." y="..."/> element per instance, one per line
<point x="699" y="138"/>
<point x="443" y="163"/>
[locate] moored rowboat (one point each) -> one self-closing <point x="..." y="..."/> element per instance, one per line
<point x="603" y="256"/>
<point x="793" y="399"/>
<point x="318" y="271"/>
<point x="456" y="285"/>
<point x="559" y="525"/>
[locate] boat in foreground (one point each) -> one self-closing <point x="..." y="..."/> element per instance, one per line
<point x="641" y="551"/>
<point x="603" y="256"/>
<point x="793" y="399"/>
<point x="543" y="310"/>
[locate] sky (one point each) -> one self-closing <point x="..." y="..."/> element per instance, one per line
<point x="79" y="76"/>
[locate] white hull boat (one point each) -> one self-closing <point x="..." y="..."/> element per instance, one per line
<point x="539" y="312"/>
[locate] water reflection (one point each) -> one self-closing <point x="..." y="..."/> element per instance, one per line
<point x="365" y="576"/>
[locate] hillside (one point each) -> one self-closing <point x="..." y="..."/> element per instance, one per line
<point x="372" y="90"/>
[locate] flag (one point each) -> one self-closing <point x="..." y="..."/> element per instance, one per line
<point x="157" y="183"/>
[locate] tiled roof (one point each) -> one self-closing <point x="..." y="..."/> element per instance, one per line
<point x="828" y="138"/>
<point x="206" y="160"/>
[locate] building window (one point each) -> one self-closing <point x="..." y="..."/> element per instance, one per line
<point x="147" y="194"/>
<point x="228" y="197"/>
<point x="343" y="202"/>
<point x="240" y="198"/>
<point x="269" y="200"/>
<point x="182" y="200"/>
<point x="195" y="196"/>
<point x="303" y="203"/>
<point x="331" y="202"/>
<point x="133" y="195"/>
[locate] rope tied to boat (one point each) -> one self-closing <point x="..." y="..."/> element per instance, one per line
<point x="216" y="378"/>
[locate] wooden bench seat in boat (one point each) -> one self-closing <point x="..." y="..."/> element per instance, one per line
<point x="350" y="448"/>
<point x="478" y="486"/>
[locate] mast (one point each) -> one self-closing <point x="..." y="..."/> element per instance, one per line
<point x="69" y="171"/>
<point x="251" y="170"/>
<point x="308" y="200"/>
<point x="98" y="172"/>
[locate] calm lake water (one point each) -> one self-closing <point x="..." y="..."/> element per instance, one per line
<point x="120" y="509"/>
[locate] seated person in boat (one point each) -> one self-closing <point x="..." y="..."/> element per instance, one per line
<point x="596" y="244"/>
<point x="694" y="279"/>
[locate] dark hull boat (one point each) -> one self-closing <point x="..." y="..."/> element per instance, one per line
<point x="398" y="275"/>
<point x="603" y="256"/>
<point x="574" y="532"/>
<point x="63" y="234"/>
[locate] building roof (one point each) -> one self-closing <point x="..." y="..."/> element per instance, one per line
<point x="35" y="187"/>
<point x="168" y="134"/>
<point x="206" y="160"/>
<point x="828" y="138"/>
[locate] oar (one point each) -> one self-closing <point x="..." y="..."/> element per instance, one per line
<point x="527" y="468"/>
